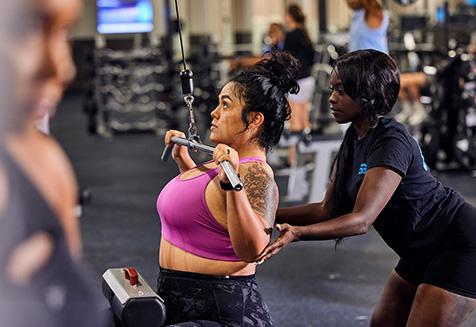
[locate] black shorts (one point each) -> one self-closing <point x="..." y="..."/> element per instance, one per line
<point x="202" y="300"/>
<point x="453" y="266"/>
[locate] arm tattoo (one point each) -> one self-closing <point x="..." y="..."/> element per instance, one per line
<point x="261" y="191"/>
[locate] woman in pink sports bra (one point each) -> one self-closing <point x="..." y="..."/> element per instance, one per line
<point x="211" y="236"/>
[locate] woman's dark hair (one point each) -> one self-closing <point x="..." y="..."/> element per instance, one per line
<point x="264" y="88"/>
<point x="372" y="79"/>
<point x="295" y="12"/>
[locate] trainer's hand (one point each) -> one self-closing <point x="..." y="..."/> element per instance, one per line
<point x="179" y="151"/>
<point x="288" y="234"/>
<point x="225" y="153"/>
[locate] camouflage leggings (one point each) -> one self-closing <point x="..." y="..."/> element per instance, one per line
<point x="194" y="300"/>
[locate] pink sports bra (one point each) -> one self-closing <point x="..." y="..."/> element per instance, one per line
<point x="187" y="221"/>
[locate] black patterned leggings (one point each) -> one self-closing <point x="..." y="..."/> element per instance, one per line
<point x="193" y="300"/>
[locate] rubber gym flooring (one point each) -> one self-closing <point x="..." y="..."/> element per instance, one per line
<point x="307" y="284"/>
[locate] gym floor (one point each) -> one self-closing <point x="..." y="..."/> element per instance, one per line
<point x="307" y="284"/>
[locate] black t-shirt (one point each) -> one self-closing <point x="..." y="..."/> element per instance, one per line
<point x="299" y="46"/>
<point x="414" y="221"/>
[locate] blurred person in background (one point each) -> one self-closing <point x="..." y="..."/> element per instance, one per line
<point x="41" y="280"/>
<point x="298" y="43"/>
<point x="275" y="38"/>
<point x="368" y="29"/>
<point x="273" y="41"/>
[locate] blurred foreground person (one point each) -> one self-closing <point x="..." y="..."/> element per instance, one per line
<point x="41" y="282"/>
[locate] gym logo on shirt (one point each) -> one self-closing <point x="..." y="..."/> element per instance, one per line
<point x="363" y="169"/>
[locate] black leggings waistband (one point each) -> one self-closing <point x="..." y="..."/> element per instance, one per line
<point x="194" y="299"/>
<point x="204" y="277"/>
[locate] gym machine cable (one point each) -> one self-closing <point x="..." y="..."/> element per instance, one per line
<point x="193" y="142"/>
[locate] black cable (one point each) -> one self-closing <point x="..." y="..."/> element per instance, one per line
<point x="180" y="35"/>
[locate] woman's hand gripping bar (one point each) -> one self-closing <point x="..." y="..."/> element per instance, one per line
<point x="227" y="167"/>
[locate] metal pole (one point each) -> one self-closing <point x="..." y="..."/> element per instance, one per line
<point x="322" y="12"/>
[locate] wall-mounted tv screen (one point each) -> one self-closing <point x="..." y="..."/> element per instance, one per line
<point x="124" y="16"/>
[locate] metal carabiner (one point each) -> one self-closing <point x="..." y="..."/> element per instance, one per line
<point x="192" y="128"/>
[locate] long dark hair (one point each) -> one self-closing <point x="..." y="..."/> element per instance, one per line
<point x="298" y="16"/>
<point x="264" y="88"/>
<point x="372" y="79"/>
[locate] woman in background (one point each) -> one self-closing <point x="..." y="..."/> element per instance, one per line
<point x="298" y="43"/>
<point x="369" y="26"/>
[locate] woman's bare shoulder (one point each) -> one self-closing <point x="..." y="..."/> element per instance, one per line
<point x="261" y="188"/>
<point x="257" y="169"/>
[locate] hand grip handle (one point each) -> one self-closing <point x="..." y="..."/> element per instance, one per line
<point x="227" y="167"/>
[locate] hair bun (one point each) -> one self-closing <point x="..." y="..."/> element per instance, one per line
<point x="282" y="69"/>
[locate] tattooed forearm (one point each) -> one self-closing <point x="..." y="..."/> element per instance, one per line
<point x="261" y="191"/>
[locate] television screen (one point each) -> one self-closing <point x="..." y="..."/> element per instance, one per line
<point x="124" y="16"/>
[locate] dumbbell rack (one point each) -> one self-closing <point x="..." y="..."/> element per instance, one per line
<point x="448" y="137"/>
<point x="131" y="90"/>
